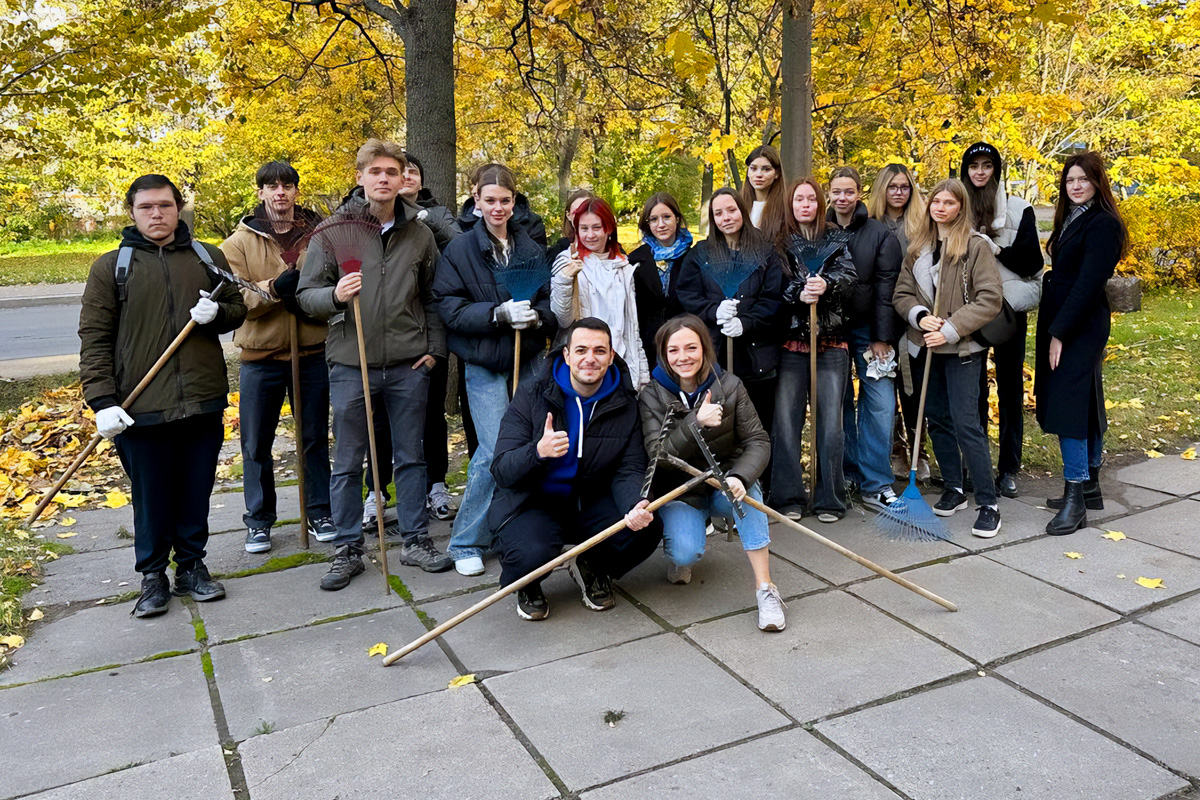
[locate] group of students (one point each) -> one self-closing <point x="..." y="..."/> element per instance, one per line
<point x="713" y="334"/>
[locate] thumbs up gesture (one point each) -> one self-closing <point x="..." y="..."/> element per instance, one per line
<point x="553" y="444"/>
<point x="709" y="413"/>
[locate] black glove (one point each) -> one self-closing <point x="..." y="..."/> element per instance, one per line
<point x="284" y="287"/>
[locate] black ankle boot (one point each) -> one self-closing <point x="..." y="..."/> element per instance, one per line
<point x="1073" y="515"/>
<point x="1093" y="498"/>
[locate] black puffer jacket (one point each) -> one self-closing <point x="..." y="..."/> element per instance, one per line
<point x="756" y="351"/>
<point x="613" y="461"/>
<point x="837" y="268"/>
<point x="467" y="291"/>
<point x="525" y="217"/>
<point x="877" y="260"/>
<point x="654" y="306"/>
<point x="438" y="218"/>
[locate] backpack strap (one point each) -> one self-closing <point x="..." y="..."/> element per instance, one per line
<point x="121" y="273"/>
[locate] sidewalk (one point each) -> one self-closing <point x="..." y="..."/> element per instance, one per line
<point x="1059" y="678"/>
<point x="40" y="294"/>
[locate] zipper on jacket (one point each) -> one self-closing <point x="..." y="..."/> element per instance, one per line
<point x="162" y="258"/>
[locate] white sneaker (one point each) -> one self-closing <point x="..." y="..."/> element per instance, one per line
<point x="470" y="566"/>
<point x="677" y="574"/>
<point x="369" y="511"/>
<point x="880" y="501"/>
<point x="770" y="608"/>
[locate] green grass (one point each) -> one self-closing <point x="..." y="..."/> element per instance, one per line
<point x="22" y="557"/>
<point x="201" y="631"/>
<point x="280" y="563"/>
<point x="1153" y="362"/>
<point x="50" y="262"/>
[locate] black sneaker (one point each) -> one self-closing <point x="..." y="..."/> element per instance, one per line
<point x="258" y="540"/>
<point x="198" y="583"/>
<point x="1006" y="486"/>
<point x="322" y="529"/>
<point x="951" y="500"/>
<point x="987" y="524"/>
<point x="347" y="562"/>
<point x="156" y="595"/>
<point x="597" y="589"/>
<point x="422" y="553"/>
<point x="531" y="603"/>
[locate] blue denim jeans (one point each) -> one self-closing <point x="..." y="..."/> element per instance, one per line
<point x="684" y="526"/>
<point x="791" y="407"/>
<point x="264" y="384"/>
<point x="402" y="391"/>
<point x="488" y="395"/>
<point x="869" y="432"/>
<point x="1080" y="454"/>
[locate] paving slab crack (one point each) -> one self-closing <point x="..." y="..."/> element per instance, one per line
<point x="229" y="748"/>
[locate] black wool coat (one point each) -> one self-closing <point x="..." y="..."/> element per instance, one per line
<point x="654" y="306"/>
<point x="1075" y="310"/>
<point x="756" y="351"/>
<point x="467" y="291"/>
<point x="613" y="462"/>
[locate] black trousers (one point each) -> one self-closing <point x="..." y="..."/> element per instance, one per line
<point x="1010" y="389"/>
<point x="171" y="467"/>
<point x="537" y="533"/>
<point x="437" y="457"/>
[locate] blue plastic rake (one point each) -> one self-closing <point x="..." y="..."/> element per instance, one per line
<point x="523" y="275"/>
<point x="729" y="272"/>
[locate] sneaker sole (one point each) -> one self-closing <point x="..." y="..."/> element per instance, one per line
<point x="827" y="518"/>
<point x="986" y="534"/>
<point x="258" y="548"/>
<point x="323" y="537"/>
<point x="772" y="628"/>
<point x="152" y="612"/>
<point x="942" y="512"/>
<point x="575" y="576"/>
<point x="470" y="573"/>
<point x="530" y="617"/>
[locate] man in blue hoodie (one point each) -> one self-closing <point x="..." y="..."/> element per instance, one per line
<point x="569" y="462"/>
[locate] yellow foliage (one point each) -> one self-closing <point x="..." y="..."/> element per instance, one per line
<point x="1164" y="241"/>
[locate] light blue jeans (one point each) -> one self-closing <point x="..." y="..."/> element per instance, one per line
<point x="684" y="525"/>
<point x="487" y="392"/>
<point x="868" y="451"/>
<point x="1080" y="454"/>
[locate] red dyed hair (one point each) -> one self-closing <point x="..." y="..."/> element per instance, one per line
<point x="607" y="219"/>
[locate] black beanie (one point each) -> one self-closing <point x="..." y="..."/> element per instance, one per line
<point x="981" y="149"/>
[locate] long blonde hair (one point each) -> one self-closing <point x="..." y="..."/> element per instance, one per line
<point x="914" y="208"/>
<point x="954" y="247"/>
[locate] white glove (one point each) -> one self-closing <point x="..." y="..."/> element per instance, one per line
<point x="423" y="214"/>
<point x="111" y="421"/>
<point x="732" y="328"/>
<point x="516" y="313"/>
<point x="726" y="311"/>
<point x="205" y="310"/>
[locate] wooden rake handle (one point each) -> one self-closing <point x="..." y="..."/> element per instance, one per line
<point x="850" y="554"/>
<point x="540" y="572"/>
<point x="372" y="450"/>
<point x="294" y="343"/>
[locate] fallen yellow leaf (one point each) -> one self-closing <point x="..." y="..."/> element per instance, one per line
<point x="461" y="680"/>
<point x="36" y="614"/>
<point x="66" y="534"/>
<point x="1116" y="536"/>
<point x="1073" y="555"/>
<point x="1154" y="454"/>
<point x="12" y="641"/>
<point x="377" y="650"/>
<point x="66" y="522"/>
<point x="115" y="499"/>
<point x="1150" y="583"/>
<point x="1189" y="454"/>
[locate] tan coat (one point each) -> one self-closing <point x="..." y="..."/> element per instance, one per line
<point x="256" y="256"/>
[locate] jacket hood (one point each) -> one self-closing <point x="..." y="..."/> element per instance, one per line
<point x="132" y="237"/>
<point x="975" y="151"/>
<point x="659" y="373"/>
<point x="857" y="221"/>
<point x="425" y="199"/>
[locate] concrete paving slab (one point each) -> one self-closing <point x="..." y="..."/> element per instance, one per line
<point x="497" y="639"/>
<point x="836" y="653"/>
<point x="722" y="583"/>
<point x="426" y="586"/>
<point x="227" y="551"/>
<point x="288" y="599"/>
<point x="1181" y="619"/>
<point x="199" y="775"/>
<point x="792" y="764"/>
<point x="1096" y="575"/>
<point x="96" y="529"/>
<point x="66" y="730"/>
<point x="85" y="578"/>
<point x="286" y="679"/>
<point x="982" y="739"/>
<point x="598" y="716"/>
<point x="859" y="535"/>
<point x="1139" y="684"/>
<point x="1175" y="526"/>
<point x="450" y="744"/>
<point x="1139" y="499"/>
<point x="1030" y="612"/>
<point x="1170" y="474"/>
<point x="97" y="637"/>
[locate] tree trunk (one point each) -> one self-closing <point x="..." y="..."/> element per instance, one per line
<point x="428" y="35"/>
<point x="796" y="141"/>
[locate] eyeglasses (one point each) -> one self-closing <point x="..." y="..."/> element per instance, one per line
<point x="905" y="189"/>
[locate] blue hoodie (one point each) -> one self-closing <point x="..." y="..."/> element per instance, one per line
<point x="659" y="374"/>
<point x="560" y="481"/>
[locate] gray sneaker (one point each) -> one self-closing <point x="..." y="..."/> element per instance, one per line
<point x="770" y="609"/>
<point x="422" y="553"/>
<point x="439" y="502"/>
<point x="347" y="562"/>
